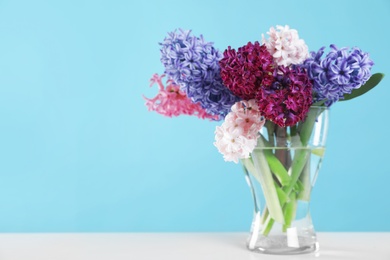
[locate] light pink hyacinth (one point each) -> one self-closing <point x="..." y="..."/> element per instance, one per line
<point x="285" y="46"/>
<point x="237" y="136"/>
<point x="171" y="101"/>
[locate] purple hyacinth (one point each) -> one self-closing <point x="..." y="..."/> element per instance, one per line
<point x="338" y="73"/>
<point x="193" y="64"/>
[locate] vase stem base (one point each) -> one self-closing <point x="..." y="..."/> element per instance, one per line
<point x="279" y="245"/>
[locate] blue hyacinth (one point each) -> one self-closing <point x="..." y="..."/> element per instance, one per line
<point x="340" y="72"/>
<point x="194" y="64"/>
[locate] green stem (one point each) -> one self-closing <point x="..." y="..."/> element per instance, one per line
<point x="300" y="157"/>
<point x="299" y="161"/>
<point x="265" y="215"/>
<point x="268" y="226"/>
<point x="306" y="182"/>
<point x="281" y="195"/>
<point x="277" y="167"/>
<point x="298" y="186"/>
<point x="261" y="171"/>
<point x="306" y="128"/>
<point x="270" y="130"/>
<point x="290" y="211"/>
<point x="293" y="130"/>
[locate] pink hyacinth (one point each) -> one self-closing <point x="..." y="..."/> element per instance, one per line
<point x="171" y="101"/>
<point x="237" y="136"/>
<point x="285" y="46"/>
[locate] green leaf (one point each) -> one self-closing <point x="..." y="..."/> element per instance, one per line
<point x="370" y="84"/>
<point x="283" y="198"/>
<point x="262" y="173"/>
<point x="277" y="167"/>
<point x="319" y="151"/>
<point x="299" y="186"/>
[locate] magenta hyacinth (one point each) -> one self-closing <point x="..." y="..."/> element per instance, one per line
<point x="287" y="101"/>
<point x="246" y="70"/>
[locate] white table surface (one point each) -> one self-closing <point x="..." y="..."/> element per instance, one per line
<point x="183" y="246"/>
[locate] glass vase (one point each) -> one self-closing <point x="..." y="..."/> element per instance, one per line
<point x="281" y="173"/>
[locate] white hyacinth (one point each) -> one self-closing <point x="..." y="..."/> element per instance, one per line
<point x="285" y="46"/>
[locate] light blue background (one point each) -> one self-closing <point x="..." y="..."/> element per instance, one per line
<point x="80" y="152"/>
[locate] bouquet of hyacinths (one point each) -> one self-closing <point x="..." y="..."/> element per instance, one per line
<point x="269" y="95"/>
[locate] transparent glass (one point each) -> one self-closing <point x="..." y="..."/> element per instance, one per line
<point x="281" y="173"/>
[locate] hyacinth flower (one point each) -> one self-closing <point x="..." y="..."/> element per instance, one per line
<point x="192" y="63"/>
<point x="338" y="73"/>
<point x="171" y="101"/>
<point x="248" y="69"/>
<point x="288" y="99"/>
<point x="285" y="46"/>
<point x="237" y="136"/>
